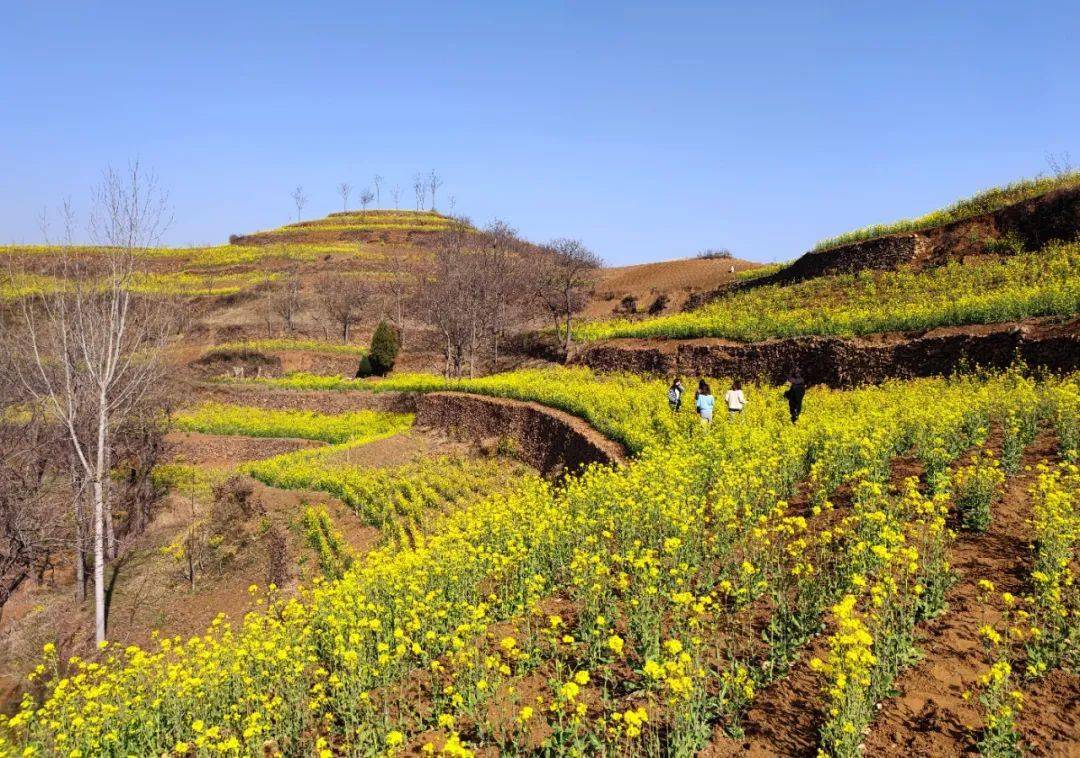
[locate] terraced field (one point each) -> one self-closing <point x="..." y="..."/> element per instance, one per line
<point x="752" y="585"/>
<point x="1044" y="283"/>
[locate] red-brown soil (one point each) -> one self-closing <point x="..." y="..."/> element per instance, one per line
<point x="839" y="362"/>
<point x="930" y="716"/>
<point x="401" y="448"/>
<point x="220" y="451"/>
<point x="677" y="279"/>
<point x="337" y="401"/>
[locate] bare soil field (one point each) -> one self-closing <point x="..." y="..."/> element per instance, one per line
<point x="645" y="282"/>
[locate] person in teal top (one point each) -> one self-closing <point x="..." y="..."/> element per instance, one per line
<point x="704" y="402"/>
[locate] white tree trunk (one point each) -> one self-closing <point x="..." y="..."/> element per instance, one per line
<point x="101" y="471"/>
<point x="99" y="563"/>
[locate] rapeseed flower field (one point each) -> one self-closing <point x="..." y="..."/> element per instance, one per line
<point x="1045" y="283"/>
<point x="619" y="613"/>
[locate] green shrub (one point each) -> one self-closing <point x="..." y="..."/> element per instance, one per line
<point x="365" y="369"/>
<point x="384" y="349"/>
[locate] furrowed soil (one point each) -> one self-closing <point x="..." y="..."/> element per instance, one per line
<point x="930" y="716"/>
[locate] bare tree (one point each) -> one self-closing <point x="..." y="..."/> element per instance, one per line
<point x="399" y="287"/>
<point x="32" y="505"/>
<point x="300" y="199"/>
<point x="562" y="282"/>
<point x="94" y="350"/>
<point x="377" y="182"/>
<point x="365" y="198"/>
<point x="1060" y="165"/>
<point x="434" y="182"/>
<point x="268" y="308"/>
<point x="344" y="189"/>
<point x="451" y="298"/>
<point x="396" y="192"/>
<point x="420" y="189"/>
<point x="287" y="300"/>
<point x="343" y="299"/>
<point x="505" y="279"/>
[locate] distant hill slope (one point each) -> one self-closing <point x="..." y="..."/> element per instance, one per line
<point x="677" y="280"/>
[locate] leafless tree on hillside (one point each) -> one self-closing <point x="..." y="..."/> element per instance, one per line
<point x="399" y="287"/>
<point x="300" y="199"/>
<point x="1060" y="165"/>
<point x="139" y="447"/>
<point x="562" y="283"/>
<point x="420" y="189"/>
<point x="396" y="192"/>
<point x="287" y="300"/>
<point x="32" y="506"/>
<point x="449" y="298"/>
<point x="504" y="281"/>
<point x="94" y="350"/>
<point x="365" y="198"/>
<point x="344" y="189"/>
<point x="434" y="182"/>
<point x="377" y="182"/>
<point x="343" y="299"/>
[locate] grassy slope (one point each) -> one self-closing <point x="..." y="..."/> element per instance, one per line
<point x="983" y="202"/>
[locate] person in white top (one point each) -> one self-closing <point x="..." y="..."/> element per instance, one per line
<point x="735" y="399"/>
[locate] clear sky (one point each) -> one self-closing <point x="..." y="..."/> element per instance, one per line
<point x="649" y="131"/>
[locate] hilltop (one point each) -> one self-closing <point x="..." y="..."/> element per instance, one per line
<point x="394" y="227"/>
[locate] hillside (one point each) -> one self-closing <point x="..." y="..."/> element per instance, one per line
<point x="553" y="560"/>
<point x="621" y="582"/>
<point x="1025" y="215"/>
<point x="230" y="290"/>
<point x="980" y="283"/>
<point x="672" y="282"/>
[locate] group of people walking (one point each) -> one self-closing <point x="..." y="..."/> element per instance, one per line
<point x="734" y="398"/>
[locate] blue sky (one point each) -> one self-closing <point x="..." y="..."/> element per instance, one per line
<point x="649" y="131"/>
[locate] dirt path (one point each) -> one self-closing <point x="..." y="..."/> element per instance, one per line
<point x="225" y="451"/>
<point x="930" y="716"/>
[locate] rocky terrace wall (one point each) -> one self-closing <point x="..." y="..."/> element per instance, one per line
<point x="843" y="362"/>
<point x="550" y="440"/>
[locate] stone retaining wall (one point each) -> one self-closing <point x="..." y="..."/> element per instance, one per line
<point x="550" y="440"/>
<point x="847" y="362"/>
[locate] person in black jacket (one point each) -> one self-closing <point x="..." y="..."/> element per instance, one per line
<point x="794" y="394"/>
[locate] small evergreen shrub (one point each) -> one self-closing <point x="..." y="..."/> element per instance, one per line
<point x="384" y="349"/>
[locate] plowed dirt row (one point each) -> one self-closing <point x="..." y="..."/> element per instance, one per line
<point x="930" y="716"/>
